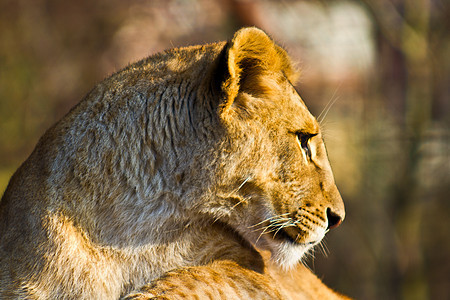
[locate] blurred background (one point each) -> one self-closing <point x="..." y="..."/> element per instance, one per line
<point x="376" y="73"/>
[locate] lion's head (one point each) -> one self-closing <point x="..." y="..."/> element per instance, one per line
<point x="274" y="182"/>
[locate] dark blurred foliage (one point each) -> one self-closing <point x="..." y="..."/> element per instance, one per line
<point x="375" y="72"/>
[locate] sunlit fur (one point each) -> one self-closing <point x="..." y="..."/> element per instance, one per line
<point x="184" y="161"/>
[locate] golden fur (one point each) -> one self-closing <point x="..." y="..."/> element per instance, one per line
<point x="184" y="161"/>
<point x="227" y="280"/>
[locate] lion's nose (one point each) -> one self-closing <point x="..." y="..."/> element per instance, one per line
<point x="334" y="220"/>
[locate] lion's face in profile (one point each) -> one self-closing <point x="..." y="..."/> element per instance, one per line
<point x="274" y="176"/>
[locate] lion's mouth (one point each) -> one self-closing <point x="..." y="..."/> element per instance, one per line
<point x="287" y="245"/>
<point x="292" y="235"/>
<point x="286" y="241"/>
<point x="286" y="234"/>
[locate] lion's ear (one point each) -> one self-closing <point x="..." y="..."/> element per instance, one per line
<point x="250" y="54"/>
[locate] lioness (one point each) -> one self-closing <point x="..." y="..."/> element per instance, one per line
<point x="177" y="166"/>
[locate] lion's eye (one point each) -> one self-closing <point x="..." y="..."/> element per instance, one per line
<point x="303" y="140"/>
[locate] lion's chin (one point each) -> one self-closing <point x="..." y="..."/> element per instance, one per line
<point x="285" y="253"/>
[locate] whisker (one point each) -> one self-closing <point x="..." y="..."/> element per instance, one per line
<point x="280" y="221"/>
<point x="312" y="255"/>
<point x="273" y="227"/>
<point x="319" y="117"/>
<point x="269" y="219"/>
<point x="330" y="103"/>
<point x="240" y="202"/>
<point x="324" y="249"/>
<point x="240" y="186"/>
<point x="290" y="224"/>
<point x="325" y="112"/>
<point x="261" y="234"/>
<point x="243" y="200"/>
<point x="232" y="208"/>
